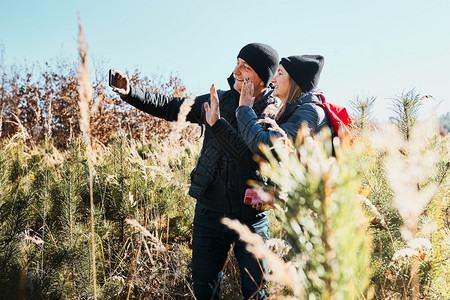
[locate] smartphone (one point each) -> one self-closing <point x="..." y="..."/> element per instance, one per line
<point x="251" y="197"/>
<point x="112" y="78"/>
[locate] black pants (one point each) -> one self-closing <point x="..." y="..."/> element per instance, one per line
<point x="211" y="242"/>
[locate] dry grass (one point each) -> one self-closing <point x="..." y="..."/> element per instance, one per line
<point x="85" y="92"/>
<point x="280" y="271"/>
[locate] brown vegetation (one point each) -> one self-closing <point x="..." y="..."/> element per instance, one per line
<point x="50" y="97"/>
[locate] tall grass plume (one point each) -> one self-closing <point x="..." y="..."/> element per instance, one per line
<point x="85" y="93"/>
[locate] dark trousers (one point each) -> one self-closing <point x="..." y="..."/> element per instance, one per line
<point x="210" y="245"/>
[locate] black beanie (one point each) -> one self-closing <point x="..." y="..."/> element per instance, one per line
<point x="304" y="70"/>
<point x="262" y="58"/>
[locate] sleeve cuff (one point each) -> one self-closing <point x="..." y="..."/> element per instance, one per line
<point x="219" y="126"/>
<point x="131" y="94"/>
<point x="242" y="108"/>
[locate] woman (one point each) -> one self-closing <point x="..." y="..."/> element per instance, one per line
<point x="295" y="85"/>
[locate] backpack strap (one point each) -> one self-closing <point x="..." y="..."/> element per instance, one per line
<point x="338" y="116"/>
<point x="320" y="96"/>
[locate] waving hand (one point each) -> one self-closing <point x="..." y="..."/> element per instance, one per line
<point x="212" y="111"/>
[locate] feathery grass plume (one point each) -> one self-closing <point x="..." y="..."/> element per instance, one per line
<point x="409" y="165"/>
<point x="158" y="246"/>
<point x="393" y="277"/>
<point x="22" y="132"/>
<point x="145" y="233"/>
<point x="410" y="162"/>
<point x="280" y="272"/>
<point x="84" y="86"/>
<point x="278" y="246"/>
<point x="1" y="119"/>
<point x="49" y="122"/>
<point x="38" y="116"/>
<point x="375" y="188"/>
<point x="323" y="220"/>
<point x="379" y="217"/>
<point x="85" y="93"/>
<point x="181" y="123"/>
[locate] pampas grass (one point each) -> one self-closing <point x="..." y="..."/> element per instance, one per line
<point x="1" y="120"/>
<point x="181" y="123"/>
<point x="408" y="169"/>
<point x="409" y="164"/>
<point x="280" y="272"/>
<point x="85" y="92"/>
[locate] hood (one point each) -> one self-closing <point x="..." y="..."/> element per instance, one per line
<point x="231" y="81"/>
<point x="309" y="97"/>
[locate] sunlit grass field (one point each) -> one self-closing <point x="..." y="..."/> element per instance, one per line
<point x="94" y="202"/>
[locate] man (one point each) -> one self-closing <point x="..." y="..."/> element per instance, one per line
<point x="216" y="181"/>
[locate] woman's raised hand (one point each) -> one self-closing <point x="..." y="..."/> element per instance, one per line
<point x="247" y="91"/>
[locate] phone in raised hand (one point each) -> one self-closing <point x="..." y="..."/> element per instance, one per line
<point x="112" y="78"/>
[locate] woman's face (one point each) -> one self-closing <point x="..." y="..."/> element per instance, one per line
<point x="281" y="82"/>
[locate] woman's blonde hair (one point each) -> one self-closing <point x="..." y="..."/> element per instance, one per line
<point x="294" y="90"/>
<point x="293" y="93"/>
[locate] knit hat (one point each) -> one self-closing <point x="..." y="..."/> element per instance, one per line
<point x="304" y="70"/>
<point x="262" y="58"/>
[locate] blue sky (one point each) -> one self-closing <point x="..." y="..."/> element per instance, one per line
<point x="377" y="48"/>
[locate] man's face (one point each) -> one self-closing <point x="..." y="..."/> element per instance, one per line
<point x="242" y="71"/>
